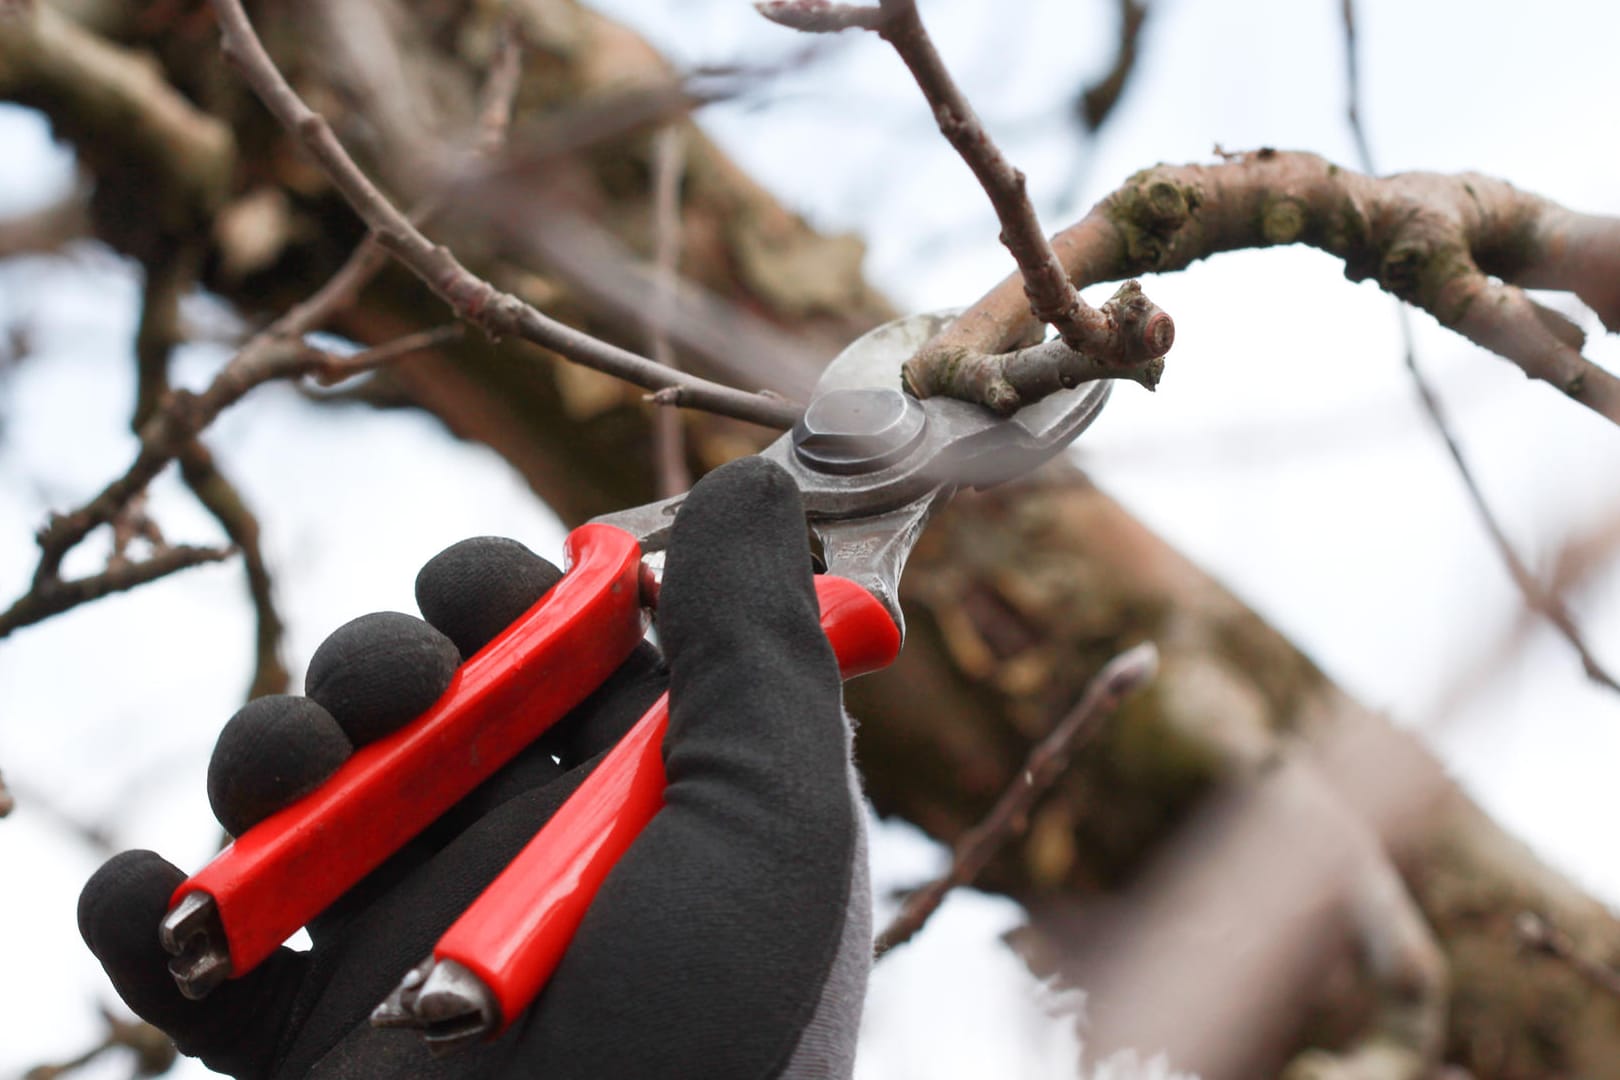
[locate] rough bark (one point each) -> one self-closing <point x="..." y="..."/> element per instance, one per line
<point x="1015" y="597"/>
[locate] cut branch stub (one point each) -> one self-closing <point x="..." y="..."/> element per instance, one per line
<point x="1139" y="334"/>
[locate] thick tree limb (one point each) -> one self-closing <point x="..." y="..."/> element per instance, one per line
<point x="1461" y="247"/>
<point x="499" y="314"/>
<point x="115" y="103"/>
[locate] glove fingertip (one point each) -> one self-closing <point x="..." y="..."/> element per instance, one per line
<point x="276" y="749"/>
<point x="115" y="902"/>
<point x="376" y="673"/>
<point x="739" y="558"/>
<point x="473" y="590"/>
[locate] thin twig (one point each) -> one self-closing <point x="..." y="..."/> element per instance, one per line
<point x="473" y="299"/>
<point x="1536" y="932"/>
<point x="500" y="89"/>
<point x="154" y="1051"/>
<point x="167" y="280"/>
<point x="1051" y="297"/>
<point x="56" y="596"/>
<point x="1108" y="689"/>
<point x="1119" y="336"/>
<point x="334" y="368"/>
<point x="1096" y="102"/>
<point x="1544" y="601"/>
<point x="99" y="839"/>
<point x="224" y="501"/>
<point x="669" y="442"/>
<point x="1353" y="74"/>
<point x="8" y="802"/>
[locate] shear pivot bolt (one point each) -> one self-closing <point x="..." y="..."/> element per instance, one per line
<point x="858" y="430"/>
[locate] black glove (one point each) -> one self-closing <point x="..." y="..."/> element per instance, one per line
<point x="732" y="940"/>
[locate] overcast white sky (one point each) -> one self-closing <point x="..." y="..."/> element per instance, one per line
<point x="1284" y="450"/>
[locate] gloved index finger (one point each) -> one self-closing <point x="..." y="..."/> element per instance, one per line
<point x="733" y="904"/>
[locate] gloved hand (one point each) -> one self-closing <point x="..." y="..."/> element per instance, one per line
<point x="732" y="940"/>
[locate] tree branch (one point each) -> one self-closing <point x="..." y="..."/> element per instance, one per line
<point x="1096" y="102"/>
<point x="114" y="103"/>
<point x="1537" y="933"/>
<point x="54" y="596"/>
<point x="669" y="443"/>
<point x="154" y="1052"/>
<point x="500" y="90"/>
<point x="499" y="314"/>
<point x="1544" y="601"/>
<point x="1119" y="679"/>
<point x="277" y="352"/>
<point x="1433" y="240"/>
<point x="1122" y="337"/>
<point x="169" y="422"/>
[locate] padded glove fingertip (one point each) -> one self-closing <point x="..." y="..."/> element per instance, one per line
<point x="473" y="590"/>
<point x="376" y="673"/>
<point x="274" y="750"/>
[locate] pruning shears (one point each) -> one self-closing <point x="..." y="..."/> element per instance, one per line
<point x="872" y="464"/>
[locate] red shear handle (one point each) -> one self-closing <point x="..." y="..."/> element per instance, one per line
<point x="290" y="867"/>
<point x="514" y="935"/>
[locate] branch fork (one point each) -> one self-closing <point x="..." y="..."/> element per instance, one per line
<point x="1127" y="338"/>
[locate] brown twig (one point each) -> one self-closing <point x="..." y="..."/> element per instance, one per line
<point x="1461" y="247"/>
<point x="477" y="301"/>
<point x="159" y="333"/>
<point x="8" y="802"/>
<point x="332" y="368"/>
<point x="500" y="90"/>
<point x="272" y="354"/>
<point x="154" y="1052"/>
<point x="1119" y="337"/>
<point x="54" y="596"/>
<point x="1108" y="689"/>
<point x="1537" y="933"/>
<point x="98" y="838"/>
<point x="1052" y="298"/>
<point x="224" y="501"/>
<point x="1352" y="55"/>
<point x="1096" y="102"/>
<point x="1544" y="601"/>
<point x="669" y="441"/>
